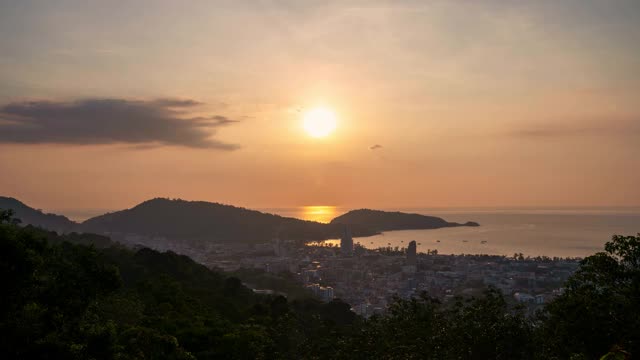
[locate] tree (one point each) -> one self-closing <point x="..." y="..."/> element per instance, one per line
<point x="6" y="216"/>
<point x="599" y="308"/>
<point x="423" y="328"/>
<point x="47" y="295"/>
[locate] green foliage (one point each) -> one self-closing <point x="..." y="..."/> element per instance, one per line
<point x="145" y="343"/>
<point x="65" y="300"/>
<point x="600" y="305"/>
<point x="283" y="282"/>
<point x="423" y="328"/>
<point x="45" y="307"/>
<point x="616" y="354"/>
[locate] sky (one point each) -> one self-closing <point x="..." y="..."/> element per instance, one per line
<point x="104" y="104"/>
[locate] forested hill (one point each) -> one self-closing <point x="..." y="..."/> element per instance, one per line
<point x="31" y="216"/>
<point x="199" y="220"/>
<point x="62" y="300"/>
<point x="376" y="220"/>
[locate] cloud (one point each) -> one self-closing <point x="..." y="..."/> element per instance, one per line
<point x="553" y="131"/>
<point x="617" y="127"/>
<point x="141" y="124"/>
<point x="375" y="147"/>
<point x="170" y="102"/>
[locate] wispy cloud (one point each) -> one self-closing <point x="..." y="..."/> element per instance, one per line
<point x="111" y="121"/>
<point x="626" y="126"/>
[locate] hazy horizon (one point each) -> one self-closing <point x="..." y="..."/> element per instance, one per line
<point x="324" y="213"/>
<point x="562" y="231"/>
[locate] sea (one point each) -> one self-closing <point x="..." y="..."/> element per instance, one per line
<point x="561" y="232"/>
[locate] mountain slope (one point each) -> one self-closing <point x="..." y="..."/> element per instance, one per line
<point x="61" y="300"/>
<point x="376" y="220"/>
<point x="199" y="220"/>
<point x="31" y="216"/>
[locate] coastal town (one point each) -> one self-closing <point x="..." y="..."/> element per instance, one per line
<point x="368" y="279"/>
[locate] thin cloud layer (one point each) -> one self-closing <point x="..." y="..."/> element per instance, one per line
<point x="111" y="121"/>
<point x="615" y="127"/>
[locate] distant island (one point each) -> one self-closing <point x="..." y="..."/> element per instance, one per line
<point x="200" y="222"/>
<point x="378" y="221"/>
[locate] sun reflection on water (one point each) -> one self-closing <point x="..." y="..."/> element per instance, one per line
<point x="323" y="214"/>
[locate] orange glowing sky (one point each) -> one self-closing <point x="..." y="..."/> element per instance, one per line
<point x="443" y="103"/>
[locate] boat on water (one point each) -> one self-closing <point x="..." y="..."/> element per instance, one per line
<point x="483" y="242"/>
<point x="437" y="240"/>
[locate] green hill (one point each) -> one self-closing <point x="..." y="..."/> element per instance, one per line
<point x="197" y="222"/>
<point x="376" y="220"/>
<point x="63" y="300"/>
<point x="206" y="221"/>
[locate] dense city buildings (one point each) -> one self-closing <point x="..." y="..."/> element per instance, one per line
<point x="369" y="279"/>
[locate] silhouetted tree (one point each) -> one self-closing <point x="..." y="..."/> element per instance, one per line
<point x="600" y="307"/>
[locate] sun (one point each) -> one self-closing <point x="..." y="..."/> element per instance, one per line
<point x="319" y="122"/>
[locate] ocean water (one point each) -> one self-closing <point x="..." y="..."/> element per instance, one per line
<point x="555" y="232"/>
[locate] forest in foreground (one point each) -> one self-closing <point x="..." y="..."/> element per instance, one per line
<point x="81" y="296"/>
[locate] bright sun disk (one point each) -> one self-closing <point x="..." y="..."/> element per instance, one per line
<point x="319" y="122"/>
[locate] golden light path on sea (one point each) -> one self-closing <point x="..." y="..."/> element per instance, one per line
<point x="319" y="213"/>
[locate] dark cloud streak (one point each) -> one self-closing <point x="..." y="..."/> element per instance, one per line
<point x="111" y="121"/>
<point x="169" y="102"/>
